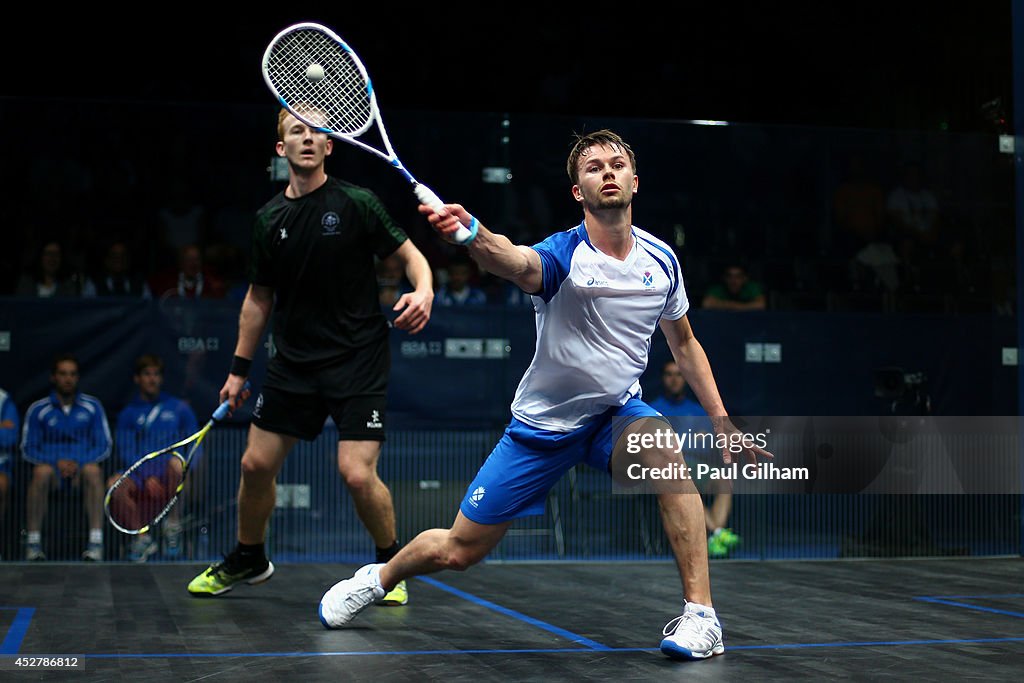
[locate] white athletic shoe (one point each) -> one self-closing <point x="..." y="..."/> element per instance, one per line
<point x="142" y="547"/>
<point x="93" y="552"/>
<point x="696" y="634"/>
<point x="348" y="598"/>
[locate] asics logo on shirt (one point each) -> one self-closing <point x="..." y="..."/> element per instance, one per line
<point x="330" y="223"/>
<point x="595" y="282"/>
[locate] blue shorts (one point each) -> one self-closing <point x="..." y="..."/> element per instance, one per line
<point x="527" y="462"/>
<point x="5" y="463"/>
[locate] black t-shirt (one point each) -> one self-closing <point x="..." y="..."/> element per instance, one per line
<point x="317" y="253"/>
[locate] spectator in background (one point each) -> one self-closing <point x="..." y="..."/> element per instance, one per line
<point x="513" y="297"/>
<point x="66" y="437"/>
<point x="49" y="277"/>
<point x="153" y="420"/>
<point x="180" y="219"/>
<point x="737" y="292"/>
<point x="674" y="402"/>
<point x="674" y="399"/>
<point x="457" y="291"/>
<point x="391" y="283"/>
<point x="859" y="204"/>
<point x="116" y="277"/>
<point x="913" y="211"/>
<point x="913" y="215"/>
<point x="8" y="442"/>
<point x="190" y="280"/>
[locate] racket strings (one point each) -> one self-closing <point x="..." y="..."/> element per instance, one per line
<point x="341" y="98"/>
<point x="145" y="493"/>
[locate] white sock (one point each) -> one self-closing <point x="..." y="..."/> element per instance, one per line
<point x="96" y="536"/>
<point x="708" y="611"/>
<point x="375" y="575"/>
<point x="35" y="537"/>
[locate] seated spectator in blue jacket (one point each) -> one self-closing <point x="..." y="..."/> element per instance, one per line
<point x="152" y="421"/>
<point x="66" y="437"/>
<point x="8" y="442"/>
<point x="458" y="291"/>
<point x="674" y="399"/>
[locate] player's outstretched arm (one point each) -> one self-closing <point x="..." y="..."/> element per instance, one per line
<point x="495" y="253"/>
<point x="693" y="363"/>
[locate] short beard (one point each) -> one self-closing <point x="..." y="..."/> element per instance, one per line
<point x="607" y="203"/>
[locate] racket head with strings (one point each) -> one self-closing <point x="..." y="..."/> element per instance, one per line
<point x="341" y="103"/>
<point x="144" y="494"/>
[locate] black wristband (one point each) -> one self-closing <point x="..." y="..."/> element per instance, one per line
<point x="240" y="366"/>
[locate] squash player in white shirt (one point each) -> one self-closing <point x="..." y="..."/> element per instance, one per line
<point x="599" y="290"/>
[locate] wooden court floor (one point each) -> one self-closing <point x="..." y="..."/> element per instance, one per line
<point x="922" y="619"/>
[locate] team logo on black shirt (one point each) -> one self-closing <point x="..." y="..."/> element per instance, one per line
<point x="330" y="221"/>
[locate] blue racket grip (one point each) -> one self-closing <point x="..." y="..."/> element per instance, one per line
<point x="223" y="408"/>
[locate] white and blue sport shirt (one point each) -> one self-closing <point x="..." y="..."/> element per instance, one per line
<point x="595" y="319"/>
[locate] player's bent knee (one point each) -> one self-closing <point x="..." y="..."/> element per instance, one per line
<point x="460" y="556"/>
<point x="254" y="467"/>
<point x="359" y="479"/>
<point x="461" y="559"/>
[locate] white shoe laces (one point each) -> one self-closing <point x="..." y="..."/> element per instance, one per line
<point x="359" y="598"/>
<point x="697" y="627"/>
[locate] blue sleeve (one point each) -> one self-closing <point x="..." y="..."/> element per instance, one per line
<point x="555" y="257"/>
<point x="32" y="441"/>
<point x="187" y="420"/>
<point x="99" y="437"/>
<point x="124" y="438"/>
<point x="9" y="433"/>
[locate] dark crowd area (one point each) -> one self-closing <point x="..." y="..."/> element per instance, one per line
<point x="160" y="203"/>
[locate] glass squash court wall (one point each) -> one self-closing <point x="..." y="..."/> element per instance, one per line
<point x="765" y="195"/>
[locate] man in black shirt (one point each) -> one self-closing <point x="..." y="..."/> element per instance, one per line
<point x="313" y="266"/>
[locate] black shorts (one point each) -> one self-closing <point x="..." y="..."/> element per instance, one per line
<point x="296" y="399"/>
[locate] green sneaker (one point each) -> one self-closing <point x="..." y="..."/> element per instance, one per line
<point x="716" y="548"/>
<point x="729" y="539"/>
<point x="220" y="577"/>
<point x="399" y="595"/>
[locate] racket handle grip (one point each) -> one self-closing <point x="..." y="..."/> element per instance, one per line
<point x="223" y="408"/>
<point x="426" y="196"/>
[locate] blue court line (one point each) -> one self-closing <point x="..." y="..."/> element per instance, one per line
<point x="593" y="645"/>
<point x="965" y="605"/>
<point x="968" y="597"/>
<point x="876" y="643"/>
<point x="16" y="633"/>
<point x="563" y="650"/>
